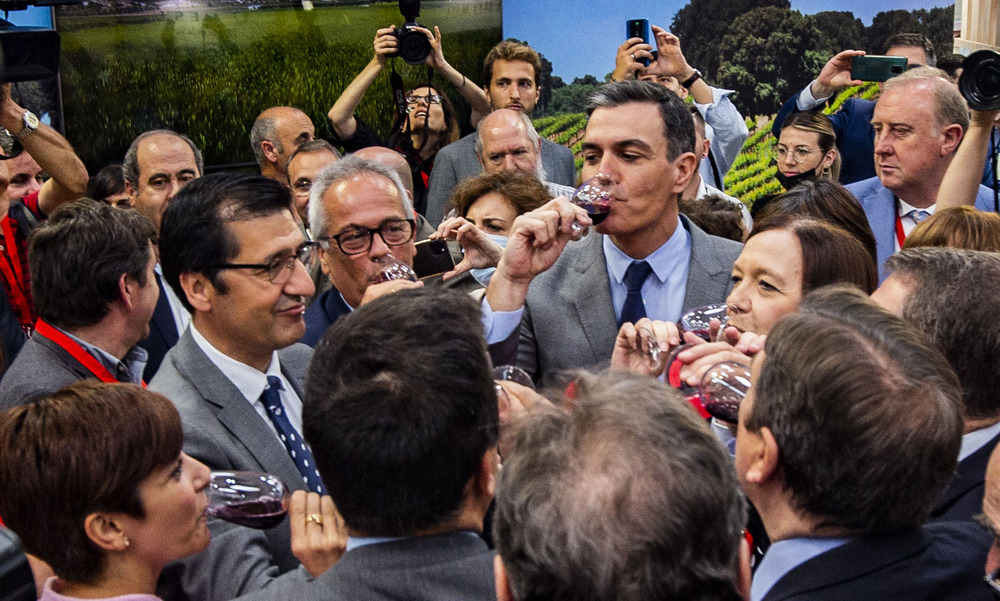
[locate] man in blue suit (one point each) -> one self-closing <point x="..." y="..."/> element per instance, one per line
<point x="919" y="121"/>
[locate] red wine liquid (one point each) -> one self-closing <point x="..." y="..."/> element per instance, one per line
<point x="263" y="513"/>
<point x="596" y="218"/>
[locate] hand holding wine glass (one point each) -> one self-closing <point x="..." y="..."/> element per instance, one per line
<point x="593" y="196"/>
<point x="643" y="347"/>
<point x="319" y="535"/>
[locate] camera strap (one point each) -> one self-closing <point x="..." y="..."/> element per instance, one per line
<point x="398" y="92"/>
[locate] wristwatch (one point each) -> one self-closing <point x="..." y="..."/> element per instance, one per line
<point x="690" y="80"/>
<point x="30" y="125"/>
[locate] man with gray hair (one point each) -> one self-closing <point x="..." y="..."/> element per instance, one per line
<point x="507" y="141"/>
<point x="157" y="165"/>
<point x="919" y="120"/>
<point x="628" y="441"/>
<point x="951" y="295"/>
<point x="275" y="135"/>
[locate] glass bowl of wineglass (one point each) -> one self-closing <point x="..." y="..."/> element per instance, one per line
<point x="723" y="388"/>
<point x="593" y="196"/>
<point x="253" y="499"/>
<point x="392" y="269"/>
<point x="699" y="320"/>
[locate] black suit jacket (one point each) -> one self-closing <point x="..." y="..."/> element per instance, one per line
<point x="162" y="334"/>
<point x="447" y="567"/>
<point x="934" y="563"/>
<point x="964" y="496"/>
<point x="325" y="310"/>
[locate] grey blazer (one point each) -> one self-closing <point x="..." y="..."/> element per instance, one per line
<point x="458" y="161"/>
<point x="569" y="320"/>
<point x="223" y="431"/>
<point x="41" y="368"/>
<point x="448" y="567"/>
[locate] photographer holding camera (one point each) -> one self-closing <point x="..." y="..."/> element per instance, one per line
<point x="430" y="122"/>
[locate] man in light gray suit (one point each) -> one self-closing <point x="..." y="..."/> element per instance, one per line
<point x="401" y="414"/>
<point x="511" y="73"/>
<point x="231" y="249"/>
<point x="645" y="260"/>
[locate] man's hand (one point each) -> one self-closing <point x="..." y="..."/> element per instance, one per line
<point x="382" y="288"/>
<point x="626" y="61"/>
<point x="836" y="75"/>
<point x="385" y="44"/>
<point x="319" y="536"/>
<point x="479" y="251"/>
<point x="515" y="401"/>
<point x="632" y="346"/>
<point x="670" y="59"/>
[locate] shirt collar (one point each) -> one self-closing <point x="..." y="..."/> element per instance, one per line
<point x="975" y="440"/>
<point x="905" y="208"/>
<point x="663" y="260"/>
<point x="250" y="381"/>
<point x="784" y="556"/>
<point x="129" y="370"/>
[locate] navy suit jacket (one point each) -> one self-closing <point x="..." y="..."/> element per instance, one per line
<point x="880" y="208"/>
<point x="934" y="563"/>
<point x="855" y="136"/>
<point x="162" y="334"/>
<point x="325" y="310"/>
<point x="964" y="496"/>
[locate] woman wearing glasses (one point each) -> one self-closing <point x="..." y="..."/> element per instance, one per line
<point x="430" y="122"/>
<point x="806" y="149"/>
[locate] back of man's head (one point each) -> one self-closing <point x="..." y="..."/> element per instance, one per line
<point x="194" y="234"/>
<point x="948" y="105"/>
<point x="855" y="398"/>
<point x="678" y="126"/>
<point x="627" y="496"/>
<point x="400" y="410"/>
<point x="78" y="256"/>
<point x="953" y="298"/>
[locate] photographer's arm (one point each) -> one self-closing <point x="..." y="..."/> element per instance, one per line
<point x="341" y="114"/>
<point x="961" y="182"/>
<point x="671" y="62"/>
<point x="472" y="93"/>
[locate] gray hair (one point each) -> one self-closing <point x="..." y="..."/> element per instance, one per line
<point x="130" y="166"/>
<point x="628" y="442"/>
<point x="316" y="145"/>
<point x="678" y="126"/>
<point x="533" y="138"/>
<point x="949" y="106"/>
<point x="347" y="167"/>
<point x="264" y="128"/>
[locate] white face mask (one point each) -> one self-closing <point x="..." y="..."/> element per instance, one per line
<point x="483" y="275"/>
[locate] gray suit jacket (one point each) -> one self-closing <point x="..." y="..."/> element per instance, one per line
<point x="447" y="567"/>
<point x="41" y="368"/>
<point x="223" y="431"/>
<point x="458" y="161"/>
<point x="569" y="320"/>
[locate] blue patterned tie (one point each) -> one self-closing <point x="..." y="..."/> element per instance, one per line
<point x="918" y="216"/>
<point x="292" y="440"/>
<point x="634" y="309"/>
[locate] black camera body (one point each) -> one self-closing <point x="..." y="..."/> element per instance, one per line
<point x="980" y="80"/>
<point x="413" y="46"/>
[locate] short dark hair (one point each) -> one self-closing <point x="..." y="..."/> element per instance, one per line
<point x="627" y="496"/>
<point x="317" y="145"/>
<point x="912" y="40"/>
<point x="78" y="255"/>
<point x="194" y="236"/>
<point x="715" y="214"/>
<point x="953" y="298"/>
<point x="825" y="200"/>
<point x="522" y="190"/>
<point x="678" y="126"/>
<point x="83" y="449"/>
<point x="855" y="398"/>
<point x="130" y="165"/>
<point x="830" y="255"/>
<point x="511" y="50"/>
<point x="950" y="64"/>
<point x="110" y="180"/>
<point x="400" y="408"/>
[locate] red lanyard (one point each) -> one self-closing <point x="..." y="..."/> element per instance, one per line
<point x="900" y="236"/>
<point x="42" y="328"/>
<point x="14" y="279"/>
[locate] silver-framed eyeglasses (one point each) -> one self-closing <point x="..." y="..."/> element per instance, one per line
<point x="427" y="98"/>
<point x="358" y="240"/>
<point x="278" y="271"/>
<point x="799" y="153"/>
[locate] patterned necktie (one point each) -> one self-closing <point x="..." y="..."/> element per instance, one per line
<point x="293" y="441"/>
<point x="634" y="309"/>
<point x="918" y="216"/>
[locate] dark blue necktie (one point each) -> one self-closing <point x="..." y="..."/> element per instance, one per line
<point x="293" y="441"/>
<point x="634" y="309"/>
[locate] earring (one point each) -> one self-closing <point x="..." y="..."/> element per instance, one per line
<point x="826" y="170"/>
<point x="127" y="542"/>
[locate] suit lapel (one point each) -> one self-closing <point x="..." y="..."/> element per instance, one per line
<point x="590" y="296"/>
<point x="162" y="322"/>
<point x="236" y="414"/>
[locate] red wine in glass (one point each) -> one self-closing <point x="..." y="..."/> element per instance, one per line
<point x="394" y="269"/>
<point x="252" y="499"/>
<point x="698" y="320"/>
<point x="593" y="196"/>
<point x="723" y="388"/>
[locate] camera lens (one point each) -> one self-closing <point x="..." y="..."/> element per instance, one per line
<point x="414" y="47"/>
<point x="980" y="80"/>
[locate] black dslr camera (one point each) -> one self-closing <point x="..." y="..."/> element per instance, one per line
<point x="413" y="46"/>
<point x="980" y="80"/>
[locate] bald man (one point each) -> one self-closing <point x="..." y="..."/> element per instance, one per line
<point x="276" y="133"/>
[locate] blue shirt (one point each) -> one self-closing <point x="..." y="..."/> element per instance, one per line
<point x="784" y="556"/>
<point x="663" y="292"/>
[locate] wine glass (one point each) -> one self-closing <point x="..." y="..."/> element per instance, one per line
<point x="723" y="388"/>
<point x="649" y="344"/>
<point x="699" y="320"/>
<point x="253" y="499"/>
<point x="509" y="373"/>
<point x="593" y="196"/>
<point x="394" y="269"/>
<point x="673" y="367"/>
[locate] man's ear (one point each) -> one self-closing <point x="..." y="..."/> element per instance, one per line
<point x="199" y="291"/>
<point x="127" y="287"/>
<point x="130" y="191"/>
<point x="765" y="456"/>
<point x="686" y="166"/>
<point x="951" y="137"/>
<point x="500" y="578"/>
<point x="105" y="531"/>
<point x="270" y="151"/>
<point x="486" y="475"/>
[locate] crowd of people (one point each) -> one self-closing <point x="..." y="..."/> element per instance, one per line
<point x="160" y="325"/>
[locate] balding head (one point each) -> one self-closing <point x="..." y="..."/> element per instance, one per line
<point x="276" y="133"/>
<point x="391" y="159"/>
<point x="507" y="141"/>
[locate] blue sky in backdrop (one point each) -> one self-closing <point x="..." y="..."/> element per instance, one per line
<point x="581" y="37"/>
